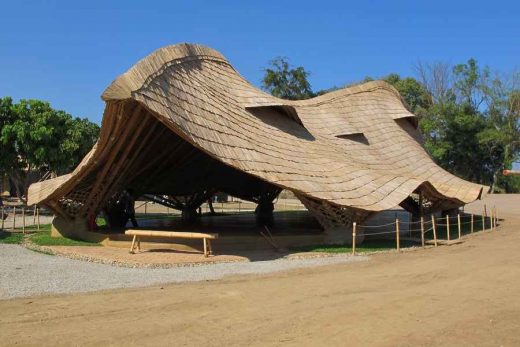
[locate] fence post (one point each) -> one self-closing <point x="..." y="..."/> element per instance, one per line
<point x="422" y="231"/>
<point x="472" y="221"/>
<point x="354" y="238"/>
<point x="448" y="227"/>
<point x="14" y="218"/>
<point x="38" y="218"/>
<point x="23" y="220"/>
<point x="397" y="234"/>
<point x="459" y="226"/>
<point x="434" y="231"/>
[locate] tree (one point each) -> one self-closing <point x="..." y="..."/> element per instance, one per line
<point x="283" y="81"/>
<point x="413" y="92"/>
<point x="37" y="138"/>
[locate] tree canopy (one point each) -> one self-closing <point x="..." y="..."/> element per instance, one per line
<point x="470" y="121"/>
<point x="34" y="137"/>
<point x="286" y="82"/>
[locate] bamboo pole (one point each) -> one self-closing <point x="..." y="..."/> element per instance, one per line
<point x="14" y="218"/>
<point x="448" y="227"/>
<point x="23" y="220"/>
<point x="422" y="231"/>
<point x="397" y="240"/>
<point x="459" y="226"/>
<point x="38" y="218"/>
<point x="434" y="231"/>
<point x="354" y="238"/>
<point x="472" y="222"/>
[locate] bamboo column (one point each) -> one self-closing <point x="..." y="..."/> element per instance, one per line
<point x="448" y="227"/>
<point x="354" y="238"/>
<point x="434" y="231"/>
<point x="23" y="220"/>
<point x="422" y="231"/>
<point x="397" y="235"/>
<point x="38" y="218"/>
<point x="14" y="218"/>
<point x="459" y="226"/>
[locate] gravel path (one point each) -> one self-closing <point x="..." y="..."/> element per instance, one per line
<point x="26" y="273"/>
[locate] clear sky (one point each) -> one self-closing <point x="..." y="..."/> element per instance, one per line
<point x="67" y="52"/>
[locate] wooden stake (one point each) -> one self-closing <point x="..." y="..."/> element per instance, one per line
<point x="38" y="218"/>
<point x="397" y="235"/>
<point x="14" y="218"/>
<point x="434" y="231"/>
<point x="459" y="226"/>
<point x="354" y="238"/>
<point x="422" y="231"/>
<point x="448" y="227"/>
<point x="472" y="222"/>
<point x="23" y="220"/>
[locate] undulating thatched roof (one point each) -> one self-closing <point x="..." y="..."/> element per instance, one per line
<point x="183" y="120"/>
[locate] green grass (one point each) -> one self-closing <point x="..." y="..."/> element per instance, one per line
<point x="11" y="238"/>
<point x="43" y="238"/>
<point x="367" y="246"/>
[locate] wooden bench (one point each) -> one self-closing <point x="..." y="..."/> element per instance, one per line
<point x="138" y="233"/>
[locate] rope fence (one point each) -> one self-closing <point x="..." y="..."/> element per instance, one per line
<point x="22" y="213"/>
<point x="458" y="223"/>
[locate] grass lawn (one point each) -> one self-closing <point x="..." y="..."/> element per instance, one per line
<point x="42" y="238"/>
<point x="10" y="238"/>
<point x="367" y="246"/>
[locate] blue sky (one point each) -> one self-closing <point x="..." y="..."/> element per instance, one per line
<point x="67" y="52"/>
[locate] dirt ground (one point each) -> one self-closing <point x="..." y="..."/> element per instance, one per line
<point x="461" y="295"/>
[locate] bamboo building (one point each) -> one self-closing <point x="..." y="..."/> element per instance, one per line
<point x="183" y="124"/>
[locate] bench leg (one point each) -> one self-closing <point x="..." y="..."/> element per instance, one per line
<point x="210" y="249"/>
<point x="138" y="243"/>
<point x="205" y="242"/>
<point x="133" y="245"/>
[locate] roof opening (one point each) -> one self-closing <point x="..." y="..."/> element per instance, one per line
<point x="357" y="137"/>
<point x="282" y="117"/>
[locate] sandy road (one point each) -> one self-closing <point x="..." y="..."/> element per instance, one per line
<point x="461" y="295"/>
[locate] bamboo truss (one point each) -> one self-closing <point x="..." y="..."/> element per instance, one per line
<point x="183" y="122"/>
